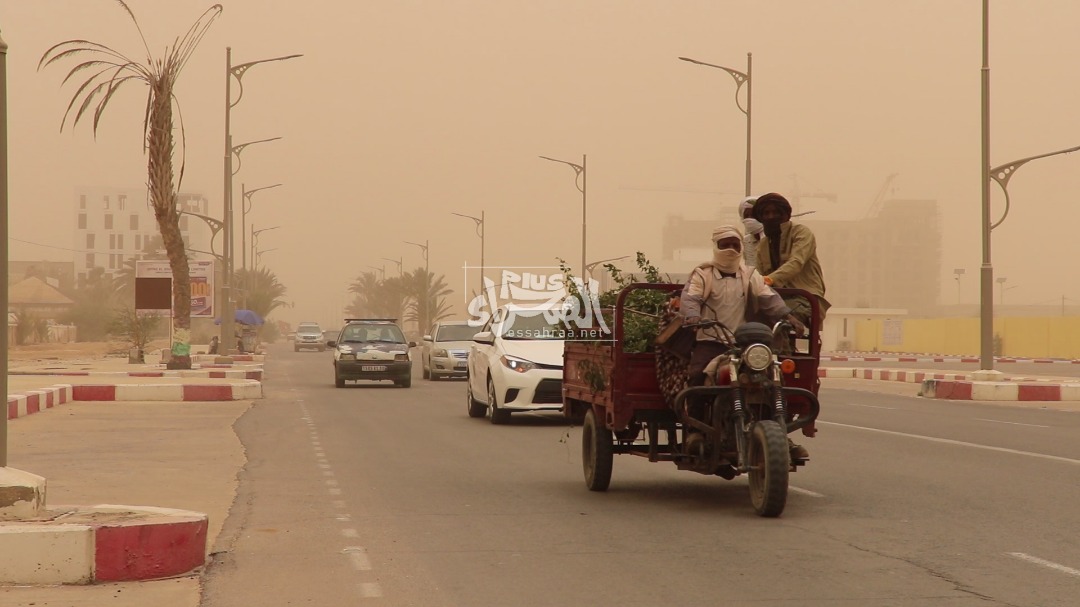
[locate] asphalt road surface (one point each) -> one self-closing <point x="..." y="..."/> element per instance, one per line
<point x="377" y="495"/>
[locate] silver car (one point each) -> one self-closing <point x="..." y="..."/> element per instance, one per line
<point x="445" y="349"/>
<point x="309" y="336"/>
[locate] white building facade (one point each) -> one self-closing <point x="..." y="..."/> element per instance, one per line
<point x="116" y="225"/>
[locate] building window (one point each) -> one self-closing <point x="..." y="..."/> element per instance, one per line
<point x="138" y="242"/>
<point x="112" y="241"/>
<point x="89" y="260"/>
<point x="108" y="221"/>
<point x="90" y="240"/>
<point x="82" y="221"/>
<point x="120" y="200"/>
<point x="82" y="201"/>
<point x="120" y="241"/>
<point x="134" y="222"/>
<point x="106" y="202"/>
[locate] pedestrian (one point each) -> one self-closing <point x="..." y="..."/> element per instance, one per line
<point x="787" y="255"/>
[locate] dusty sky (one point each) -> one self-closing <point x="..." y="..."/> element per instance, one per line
<point x="402" y="112"/>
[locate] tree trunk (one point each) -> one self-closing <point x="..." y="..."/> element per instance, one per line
<point x="160" y="146"/>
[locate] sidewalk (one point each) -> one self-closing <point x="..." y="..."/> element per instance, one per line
<point x="175" y="455"/>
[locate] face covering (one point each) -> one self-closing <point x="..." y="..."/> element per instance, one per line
<point x="752" y="226"/>
<point x="727" y="260"/>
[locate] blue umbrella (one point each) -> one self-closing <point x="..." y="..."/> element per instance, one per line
<point x="244" y="317"/>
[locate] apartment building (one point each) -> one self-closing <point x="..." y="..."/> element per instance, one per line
<point x="114" y="225"/>
<point x="891" y="259"/>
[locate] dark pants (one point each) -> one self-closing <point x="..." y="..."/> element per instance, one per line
<point x="704" y="352"/>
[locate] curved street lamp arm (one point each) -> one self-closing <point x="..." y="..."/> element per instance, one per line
<point x="236" y="149"/>
<point x="423" y="247"/>
<point x="247" y="195"/>
<point x="479" y="223"/>
<point x="1003" y="173"/>
<point x="238" y="72"/>
<point x="741" y="78"/>
<point x="578" y="170"/>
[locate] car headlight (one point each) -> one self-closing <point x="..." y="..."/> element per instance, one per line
<point x="345" y="349"/>
<point x="401" y="357"/>
<point x="758" y="357"/>
<point x="517" y="364"/>
<point x="347" y="356"/>
<point x="439" y="353"/>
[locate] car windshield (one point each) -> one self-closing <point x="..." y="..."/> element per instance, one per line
<point x="456" y="333"/>
<point x="308" y="329"/>
<point x="532" y="325"/>
<point x="373" y="333"/>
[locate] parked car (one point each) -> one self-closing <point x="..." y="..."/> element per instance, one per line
<point x="515" y="364"/>
<point x="445" y="349"/>
<point x="309" y="336"/>
<point x="372" y="349"/>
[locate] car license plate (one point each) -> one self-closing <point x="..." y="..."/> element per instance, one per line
<point x="460" y="365"/>
<point x="373" y="368"/>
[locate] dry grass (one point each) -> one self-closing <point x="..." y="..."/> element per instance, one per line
<point x="75" y="350"/>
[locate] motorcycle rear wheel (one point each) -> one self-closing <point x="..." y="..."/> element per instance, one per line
<point x="769" y="462"/>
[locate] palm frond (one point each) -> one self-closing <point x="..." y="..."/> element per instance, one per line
<point x="138" y="28"/>
<point x="87" y="65"/>
<point x="47" y="58"/>
<point x="114" y="85"/>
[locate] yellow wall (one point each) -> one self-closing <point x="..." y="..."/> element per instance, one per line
<point x="1035" y="337"/>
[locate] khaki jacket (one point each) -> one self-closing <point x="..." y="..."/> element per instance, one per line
<point x="798" y="266"/>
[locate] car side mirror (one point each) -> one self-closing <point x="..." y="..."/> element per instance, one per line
<point x="484" y="337"/>
<point x="428" y="338"/>
<point x="331" y="344"/>
<point x="412" y="344"/>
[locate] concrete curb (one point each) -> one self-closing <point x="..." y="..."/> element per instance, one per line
<point x="933" y="358"/>
<point x="33" y="401"/>
<point x="104" y="543"/>
<point x="957" y="386"/>
<point x="208" y="373"/>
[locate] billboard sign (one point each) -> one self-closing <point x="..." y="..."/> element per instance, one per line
<point x="153" y="286"/>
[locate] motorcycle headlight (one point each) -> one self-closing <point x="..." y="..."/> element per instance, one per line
<point x="758" y="357"/>
<point x="439" y="353"/>
<point x="516" y="364"/>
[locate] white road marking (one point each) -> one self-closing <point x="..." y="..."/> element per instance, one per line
<point x="324" y="462"/>
<point x="338" y="503"/>
<point x="998" y="421"/>
<point x="358" y="556"/>
<point x="870" y="406"/>
<point x="949" y="441"/>
<point x="324" y="466"/>
<point x="331" y="482"/>
<point x="344" y="518"/>
<point x="335" y="491"/>
<point x="370" y="590"/>
<point x="805" y="491"/>
<point x="1045" y="563"/>
<point x="349" y="533"/>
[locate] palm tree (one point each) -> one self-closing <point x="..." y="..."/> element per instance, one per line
<point x="264" y="293"/>
<point x="377" y="298"/>
<point x="109" y="70"/>
<point x="427" y="298"/>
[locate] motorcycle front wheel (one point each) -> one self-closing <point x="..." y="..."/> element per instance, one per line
<point x="769" y="462"/>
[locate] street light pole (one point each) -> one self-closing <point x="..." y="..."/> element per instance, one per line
<point x="422" y="306"/>
<point x="479" y="232"/>
<point x="740" y="79"/>
<point x="382" y="269"/>
<point x="579" y="182"/>
<point x="255" y="238"/>
<point x="227" y="314"/>
<point x="400" y="263"/>
<point x="244" y="209"/>
<point x="3" y="247"/>
<point x="958" y="272"/>
<point x="986" y="291"/>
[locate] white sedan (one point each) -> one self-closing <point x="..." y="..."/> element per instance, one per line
<point x="515" y="364"/>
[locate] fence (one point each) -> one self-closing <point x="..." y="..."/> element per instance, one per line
<point x="1021" y="337"/>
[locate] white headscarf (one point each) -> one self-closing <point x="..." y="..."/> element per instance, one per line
<point x="753" y="226"/>
<point x="727" y="260"/>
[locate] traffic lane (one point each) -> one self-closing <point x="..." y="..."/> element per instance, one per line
<point x="1049" y="428"/>
<point x="997" y="524"/>
<point x="282" y="543"/>
<point x="1065" y="370"/>
<point x="452" y="510"/>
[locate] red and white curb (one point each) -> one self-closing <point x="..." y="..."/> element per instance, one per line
<point x="256" y="374"/>
<point x="957" y="386"/>
<point x="997" y="390"/>
<point x="33" y="401"/>
<point x="875" y="358"/>
<point x="105" y="543"/>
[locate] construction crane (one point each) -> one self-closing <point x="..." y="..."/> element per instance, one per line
<point x="875" y="206"/>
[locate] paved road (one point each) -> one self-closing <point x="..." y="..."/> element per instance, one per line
<point x="389" y="496"/>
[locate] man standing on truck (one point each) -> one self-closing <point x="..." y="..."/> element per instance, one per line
<point x="787" y="255"/>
